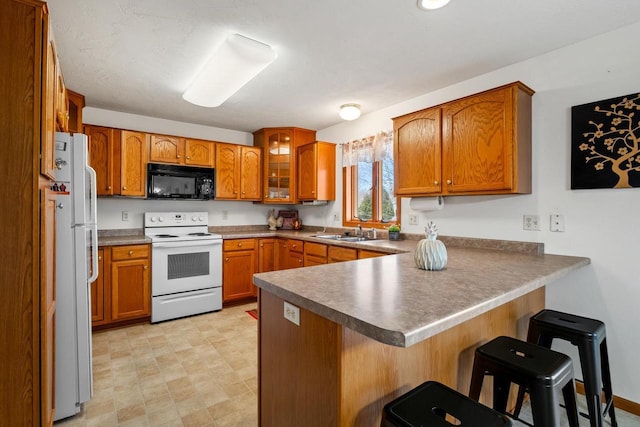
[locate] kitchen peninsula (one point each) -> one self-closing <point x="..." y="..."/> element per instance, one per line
<point x="372" y="329"/>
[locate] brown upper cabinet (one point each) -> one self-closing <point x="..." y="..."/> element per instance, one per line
<point x="317" y="171"/>
<point x="238" y="172"/>
<point x="104" y="158"/>
<point x="279" y="146"/>
<point x="76" y="104"/>
<point x="133" y="163"/>
<point x="181" y="151"/>
<point x="480" y="144"/>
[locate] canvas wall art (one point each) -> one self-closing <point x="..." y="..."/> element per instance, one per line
<point x="605" y="143"/>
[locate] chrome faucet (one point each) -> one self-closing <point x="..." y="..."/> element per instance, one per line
<point x="359" y="232"/>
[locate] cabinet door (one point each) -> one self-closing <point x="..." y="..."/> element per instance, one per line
<point x="97" y="292"/>
<point x="307" y="172"/>
<point x="266" y="255"/>
<point x="76" y="104"/>
<point x="133" y="169"/>
<point x="130" y="290"/>
<point x="295" y="260"/>
<point x="62" y="103"/>
<point x="279" y="152"/>
<point x="477" y="142"/>
<point x="227" y="173"/>
<point x="47" y="148"/>
<point x="48" y="304"/>
<point x="104" y="158"/>
<point x="199" y="153"/>
<point x="166" y="149"/>
<point x="250" y="163"/>
<point x="237" y="274"/>
<point x="417" y="153"/>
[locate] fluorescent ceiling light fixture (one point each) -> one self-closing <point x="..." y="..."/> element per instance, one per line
<point x="432" y="4"/>
<point x="349" y="111"/>
<point x="233" y="64"/>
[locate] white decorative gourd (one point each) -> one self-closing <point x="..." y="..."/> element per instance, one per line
<point x="431" y="254"/>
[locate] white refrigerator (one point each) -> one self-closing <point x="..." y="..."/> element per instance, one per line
<point x="76" y="268"/>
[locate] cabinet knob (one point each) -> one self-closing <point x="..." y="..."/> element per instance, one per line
<point x="239" y="245"/>
<point x="99" y="258"/>
<point x="266" y="196"/>
<point x="226" y="259"/>
<point x="435" y="182"/>
<point x="293" y="246"/>
<point x="313" y="192"/>
<point x="299" y="261"/>
<point x="262" y="245"/>
<point x="109" y="188"/>
<point x="124" y="188"/>
<point x="235" y="192"/>
<point x="178" y="156"/>
<point x="130" y="253"/>
<point x="188" y="157"/>
<point x="449" y="181"/>
<point x="145" y="267"/>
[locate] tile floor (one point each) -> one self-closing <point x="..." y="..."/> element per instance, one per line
<point x="197" y="371"/>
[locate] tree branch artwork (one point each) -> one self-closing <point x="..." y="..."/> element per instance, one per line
<point x="606" y="144"/>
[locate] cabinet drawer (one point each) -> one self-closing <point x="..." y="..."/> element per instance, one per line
<point x="317" y="249"/>
<point x="238" y="244"/>
<point x="369" y="254"/>
<point x="296" y="245"/>
<point x="119" y="253"/>
<point x="339" y="254"/>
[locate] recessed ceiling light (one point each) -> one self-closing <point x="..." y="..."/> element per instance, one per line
<point x="432" y="4"/>
<point x="349" y="111"/>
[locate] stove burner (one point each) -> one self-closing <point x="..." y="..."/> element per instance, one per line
<point x="199" y="234"/>
<point x="165" y="236"/>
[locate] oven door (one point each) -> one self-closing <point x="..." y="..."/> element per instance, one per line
<point x="186" y="266"/>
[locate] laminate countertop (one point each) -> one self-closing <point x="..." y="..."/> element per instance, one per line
<point x="392" y="301"/>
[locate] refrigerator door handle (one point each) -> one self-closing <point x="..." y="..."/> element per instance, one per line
<point x="94" y="228"/>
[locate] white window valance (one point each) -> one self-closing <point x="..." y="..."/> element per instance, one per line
<point x="371" y="149"/>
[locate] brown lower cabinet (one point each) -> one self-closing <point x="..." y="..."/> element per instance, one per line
<point x="315" y="254"/>
<point x="363" y="253"/>
<point x="239" y="263"/>
<point x="340" y="254"/>
<point x="122" y="292"/>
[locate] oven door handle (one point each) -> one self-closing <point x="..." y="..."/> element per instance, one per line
<point x="187" y="243"/>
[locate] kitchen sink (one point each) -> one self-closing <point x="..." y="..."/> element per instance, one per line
<point x="341" y="238"/>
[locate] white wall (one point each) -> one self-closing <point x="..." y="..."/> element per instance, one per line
<point x="600" y="224"/>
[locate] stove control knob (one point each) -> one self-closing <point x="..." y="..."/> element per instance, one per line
<point x="201" y="218"/>
<point x="161" y="219"/>
<point x="154" y="219"/>
<point x="194" y="218"/>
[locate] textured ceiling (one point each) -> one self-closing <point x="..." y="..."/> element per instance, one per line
<point x="138" y="56"/>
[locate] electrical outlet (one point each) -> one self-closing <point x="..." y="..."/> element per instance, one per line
<point x="125" y="215"/>
<point x="336" y="216"/>
<point x="225" y="215"/>
<point x="557" y="222"/>
<point x="413" y="219"/>
<point x="531" y="222"/>
<point x="292" y="313"/>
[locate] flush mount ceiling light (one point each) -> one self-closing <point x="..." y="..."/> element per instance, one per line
<point x="432" y="4"/>
<point x="234" y="63"/>
<point x="349" y="111"/>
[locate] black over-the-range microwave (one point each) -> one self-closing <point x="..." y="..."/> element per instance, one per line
<point x="180" y="182"/>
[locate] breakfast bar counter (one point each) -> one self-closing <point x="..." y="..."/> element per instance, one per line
<point x="372" y="329"/>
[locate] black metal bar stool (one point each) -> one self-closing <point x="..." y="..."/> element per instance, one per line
<point x="432" y="404"/>
<point x="589" y="335"/>
<point x="542" y="372"/>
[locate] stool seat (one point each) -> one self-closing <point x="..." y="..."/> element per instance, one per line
<point x="428" y="405"/>
<point x="589" y="335"/>
<point x="542" y="372"/>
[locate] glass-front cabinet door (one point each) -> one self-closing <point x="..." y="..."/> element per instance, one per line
<point x="279" y="174"/>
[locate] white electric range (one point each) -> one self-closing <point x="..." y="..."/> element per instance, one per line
<point x="186" y="273"/>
